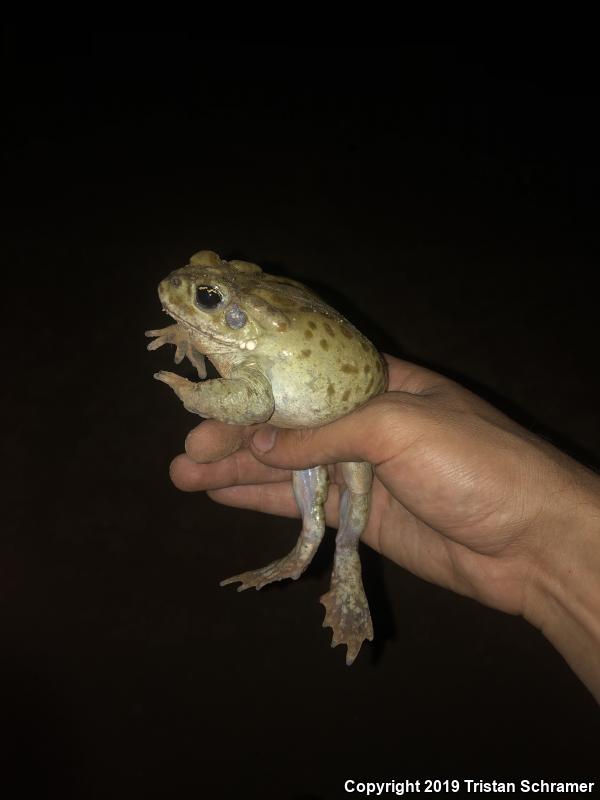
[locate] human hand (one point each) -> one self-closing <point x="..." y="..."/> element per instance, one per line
<point x="463" y="496"/>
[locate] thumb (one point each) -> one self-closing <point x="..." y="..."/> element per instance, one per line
<point x="363" y="435"/>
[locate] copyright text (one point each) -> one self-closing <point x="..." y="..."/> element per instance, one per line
<point x="468" y="786"/>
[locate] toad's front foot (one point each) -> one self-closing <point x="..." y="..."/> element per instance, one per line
<point x="176" y="334"/>
<point x="290" y="566"/>
<point x="347" y="609"/>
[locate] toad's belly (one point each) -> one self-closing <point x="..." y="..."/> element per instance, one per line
<point x="304" y="399"/>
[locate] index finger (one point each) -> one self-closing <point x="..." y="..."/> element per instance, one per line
<point x="404" y="376"/>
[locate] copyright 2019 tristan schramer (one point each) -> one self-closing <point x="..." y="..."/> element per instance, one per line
<point x="534" y="787"/>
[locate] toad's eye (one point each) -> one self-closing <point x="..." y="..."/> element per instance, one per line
<point x="208" y="297"/>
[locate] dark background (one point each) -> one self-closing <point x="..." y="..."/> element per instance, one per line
<point x="443" y="196"/>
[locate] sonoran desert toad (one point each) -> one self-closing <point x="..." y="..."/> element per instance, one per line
<point x="288" y="358"/>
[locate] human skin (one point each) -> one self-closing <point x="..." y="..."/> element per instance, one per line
<point x="463" y="497"/>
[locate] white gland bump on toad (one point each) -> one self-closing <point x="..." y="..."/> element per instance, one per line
<point x="286" y="357"/>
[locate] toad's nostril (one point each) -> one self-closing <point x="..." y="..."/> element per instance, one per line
<point x="175" y="282"/>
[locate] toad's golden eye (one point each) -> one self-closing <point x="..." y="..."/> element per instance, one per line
<point x="208" y="297"/>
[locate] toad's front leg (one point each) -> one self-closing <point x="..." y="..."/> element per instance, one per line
<point x="244" y="398"/>
<point x="310" y="489"/>
<point x="347" y="609"/>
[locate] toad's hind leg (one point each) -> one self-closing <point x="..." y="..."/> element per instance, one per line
<point x="310" y="489"/>
<point x="347" y="609"/>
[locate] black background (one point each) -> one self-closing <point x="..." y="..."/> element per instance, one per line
<point x="444" y="197"/>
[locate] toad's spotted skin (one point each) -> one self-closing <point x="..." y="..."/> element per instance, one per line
<point x="285" y="357"/>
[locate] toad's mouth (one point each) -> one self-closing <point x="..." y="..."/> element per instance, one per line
<point x="199" y="335"/>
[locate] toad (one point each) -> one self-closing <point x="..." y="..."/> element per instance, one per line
<point x="287" y="358"/>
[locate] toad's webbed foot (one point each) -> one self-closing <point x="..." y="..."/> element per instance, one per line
<point x="290" y="566"/>
<point x="346" y="606"/>
<point x="310" y="489"/>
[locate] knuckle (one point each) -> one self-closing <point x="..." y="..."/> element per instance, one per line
<point x="304" y="435"/>
<point x="237" y="469"/>
<point x="385" y="410"/>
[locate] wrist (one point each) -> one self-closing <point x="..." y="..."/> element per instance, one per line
<point x="565" y="597"/>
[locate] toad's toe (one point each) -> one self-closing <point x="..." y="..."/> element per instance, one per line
<point x="347" y="613"/>
<point x="289" y="566"/>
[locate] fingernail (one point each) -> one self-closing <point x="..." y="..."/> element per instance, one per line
<point x="264" y="439"/>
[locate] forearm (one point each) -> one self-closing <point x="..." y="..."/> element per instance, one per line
<point x="566" y="605"/>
